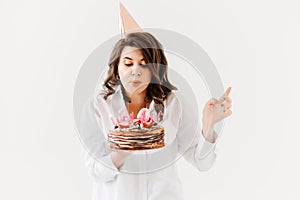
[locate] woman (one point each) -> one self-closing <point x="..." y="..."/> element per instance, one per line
<point x="137" y="78"/>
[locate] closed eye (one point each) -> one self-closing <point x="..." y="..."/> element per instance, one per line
<point x="144" y="65"/>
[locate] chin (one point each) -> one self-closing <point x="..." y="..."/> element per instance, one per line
<point x="135" y="90"/>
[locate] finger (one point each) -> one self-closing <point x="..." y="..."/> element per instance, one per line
<point x="225" y="105"/>
<point x="121" y="151"/>
<point x="228" y="99"/>
<point x="228" y="113"/>
<point x="228" y="103"/>
<point x="227" y="91"/>
<point x="110" y="149"/>
<point x="225" y="95"/>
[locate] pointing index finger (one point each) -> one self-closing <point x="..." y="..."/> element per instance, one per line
<point x="225" y="95"/>
<point x="227" y="92"/>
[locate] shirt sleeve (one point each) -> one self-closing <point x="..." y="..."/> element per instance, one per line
<point x="97" y="157"/>
<point x="191" y="143"/>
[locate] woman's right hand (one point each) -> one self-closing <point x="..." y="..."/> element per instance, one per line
<point x="118" y="157"/>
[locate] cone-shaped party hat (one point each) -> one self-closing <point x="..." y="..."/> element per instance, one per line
<point x="127" y="22"/>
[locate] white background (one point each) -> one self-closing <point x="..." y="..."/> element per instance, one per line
<point x="254" y="45"/>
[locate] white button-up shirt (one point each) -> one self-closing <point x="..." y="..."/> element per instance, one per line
<point x="147" y="174"/>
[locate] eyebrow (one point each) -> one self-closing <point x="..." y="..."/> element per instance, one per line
<point x="143" y="59"/>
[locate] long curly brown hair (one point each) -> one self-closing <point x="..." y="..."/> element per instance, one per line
<point x="160" y="87"/>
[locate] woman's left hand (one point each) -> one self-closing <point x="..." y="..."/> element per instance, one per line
<point x="216" y="110"/>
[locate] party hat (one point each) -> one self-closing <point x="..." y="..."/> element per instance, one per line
<point x="127" y="22"/>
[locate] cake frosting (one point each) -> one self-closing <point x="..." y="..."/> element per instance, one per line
<point x="141" y="133"/>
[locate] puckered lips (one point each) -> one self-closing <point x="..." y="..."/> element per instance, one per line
<point x="135" y="82"/>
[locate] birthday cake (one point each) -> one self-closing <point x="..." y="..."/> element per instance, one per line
<point x="141" y="133"/>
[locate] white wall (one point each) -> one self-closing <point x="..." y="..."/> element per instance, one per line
<point x="254" y="45"/>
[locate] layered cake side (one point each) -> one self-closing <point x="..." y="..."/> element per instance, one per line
<point x="135" y="139"/>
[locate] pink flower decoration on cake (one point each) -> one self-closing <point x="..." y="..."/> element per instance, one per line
<point x="143" y="115"/>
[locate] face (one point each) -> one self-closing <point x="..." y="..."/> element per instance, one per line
<point x="135" y="76"/>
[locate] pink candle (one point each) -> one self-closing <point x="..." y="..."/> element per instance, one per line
<point x="112" y="120"/>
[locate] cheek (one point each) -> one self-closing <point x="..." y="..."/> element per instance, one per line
<point x="148" y="75"/>
<point x="122" y="72"/>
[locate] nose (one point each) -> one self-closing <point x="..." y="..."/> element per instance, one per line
<point x="136" y="71"/>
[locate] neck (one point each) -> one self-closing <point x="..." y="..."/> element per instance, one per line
<point x="137" y="102"/>
<point x="137" y="99"/>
